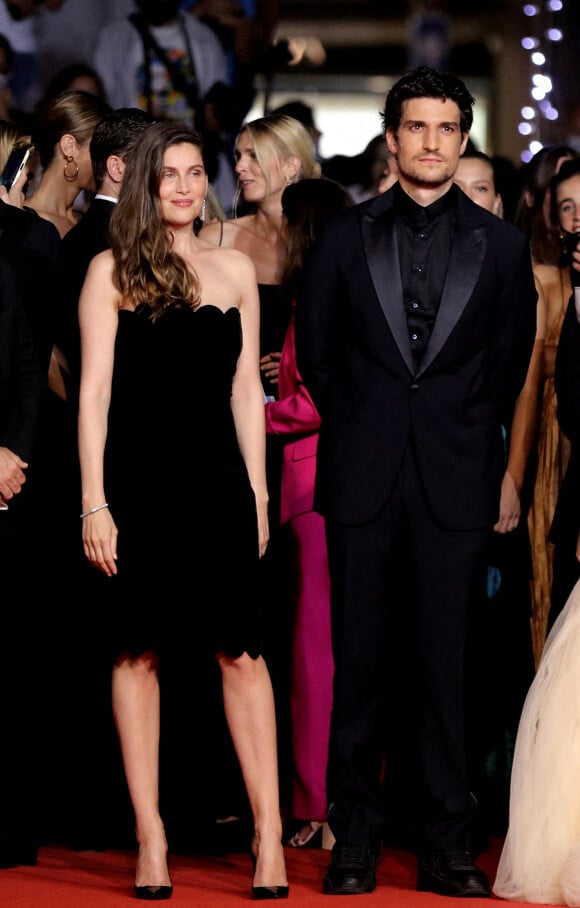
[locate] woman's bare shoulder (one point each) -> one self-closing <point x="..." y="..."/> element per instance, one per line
<point x="226" y="258"/>
<point x="227" y="234"/>
<point x="102" y="263"/>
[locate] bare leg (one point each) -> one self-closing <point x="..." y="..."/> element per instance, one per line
<point x="135" y="690"/>
<point x="249" y="710"/>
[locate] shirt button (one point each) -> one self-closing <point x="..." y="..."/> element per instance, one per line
<point x="415" y="305"/>
<point x="414" y="387"/>
<point x="418" y="269"/>
<point x="414" y="337"/>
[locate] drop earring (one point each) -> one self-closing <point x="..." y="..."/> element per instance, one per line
<point x="70" y="177"/>
<point x="202" y="212"/>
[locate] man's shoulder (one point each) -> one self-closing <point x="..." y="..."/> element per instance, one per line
<point x="477" y="215"/>
<point x="89" y="235"/>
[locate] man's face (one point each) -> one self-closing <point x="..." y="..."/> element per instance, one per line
<point x="428" y="142"/>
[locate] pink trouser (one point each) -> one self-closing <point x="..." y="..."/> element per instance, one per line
<point x="312" y="669"/>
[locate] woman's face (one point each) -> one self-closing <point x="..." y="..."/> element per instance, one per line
<point x="547" y="198"/>
<point x="183" y="184"/>
<point x="255" y="184"/>
<point x="475" y="177"/>
<point x="568" y="204"/>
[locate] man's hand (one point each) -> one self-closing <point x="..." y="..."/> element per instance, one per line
<point x="12" y="476"/>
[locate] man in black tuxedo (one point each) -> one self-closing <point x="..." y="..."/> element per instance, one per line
<point x="111" y="144"/>
<point x="415" y="326"/>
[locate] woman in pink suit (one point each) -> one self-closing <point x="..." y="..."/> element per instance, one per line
<point x="306" y="205"/>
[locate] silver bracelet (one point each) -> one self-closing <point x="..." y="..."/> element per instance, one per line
<point x="99" y="507"/>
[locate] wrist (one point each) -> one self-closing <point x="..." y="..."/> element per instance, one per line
<point x="94" y="510"/>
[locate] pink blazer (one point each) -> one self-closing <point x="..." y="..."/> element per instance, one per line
<point x="294" y="415"/>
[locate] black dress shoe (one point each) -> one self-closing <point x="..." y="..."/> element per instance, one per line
<point x="153" y="893"/>
<point x="351" y="871"/>
<point x="452" y="873"/>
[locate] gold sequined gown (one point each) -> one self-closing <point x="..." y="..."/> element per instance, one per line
<point x="553" y="453"/>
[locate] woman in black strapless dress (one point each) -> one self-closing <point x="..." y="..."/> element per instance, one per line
<point x="174" y="498"/>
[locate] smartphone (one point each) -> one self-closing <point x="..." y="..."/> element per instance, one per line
<point x="15" y="165"/>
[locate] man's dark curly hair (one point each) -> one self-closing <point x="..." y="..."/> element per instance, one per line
<point x="425" y="82"/>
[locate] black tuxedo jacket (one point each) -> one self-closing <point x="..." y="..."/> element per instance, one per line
<point x="85" y="240"/>
<point x="354" y="354"/>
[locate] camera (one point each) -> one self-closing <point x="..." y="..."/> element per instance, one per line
<point x="569" y="243"/>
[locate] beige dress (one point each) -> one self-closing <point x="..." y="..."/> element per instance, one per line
<point x="540" y="860"/>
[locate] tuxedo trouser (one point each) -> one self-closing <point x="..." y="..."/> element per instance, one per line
<point x="444" y="566"/>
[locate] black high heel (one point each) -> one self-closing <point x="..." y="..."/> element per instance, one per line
<point x="152" y="893"/>
<point x="261" y="893"/>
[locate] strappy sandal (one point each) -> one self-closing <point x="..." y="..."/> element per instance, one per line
<point x="306" y="834"/>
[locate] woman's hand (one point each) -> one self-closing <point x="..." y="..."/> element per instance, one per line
<point x="263" y="527"/>
<point x="100" y="541"/>
<point x="509" y="505"/>
<point x="270" y="366"/>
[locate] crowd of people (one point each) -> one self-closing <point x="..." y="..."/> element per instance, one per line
<point x="320" y="423"/>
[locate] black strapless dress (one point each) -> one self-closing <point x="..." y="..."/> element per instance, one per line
<point x="275" y="311"/>
<point x="178" y="489"/>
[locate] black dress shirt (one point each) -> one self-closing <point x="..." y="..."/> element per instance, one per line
<point x="424" y="238"/>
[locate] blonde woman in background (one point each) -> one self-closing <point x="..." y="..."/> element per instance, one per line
<point x="271" y="152"/>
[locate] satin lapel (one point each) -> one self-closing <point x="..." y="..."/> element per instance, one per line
<point x="380" y="246"/>
<point x="467" y="253"/>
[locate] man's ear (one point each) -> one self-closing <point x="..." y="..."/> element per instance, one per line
<point x="115" y="168"/>
<point x="392" y="143"/>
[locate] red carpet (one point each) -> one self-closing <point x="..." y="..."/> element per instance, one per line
<point x="70" y="879"/>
